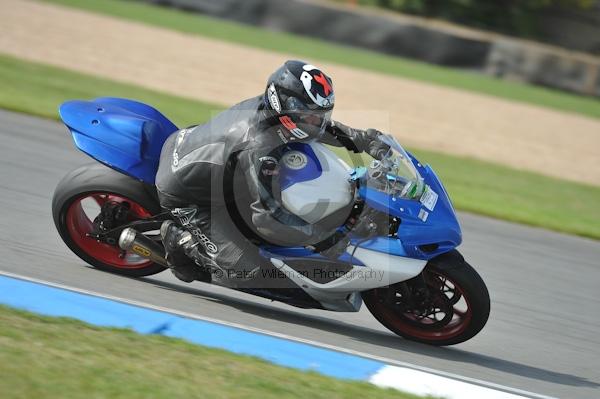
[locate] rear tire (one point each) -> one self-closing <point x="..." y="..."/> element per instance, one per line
<point x="446" y="274"/>
<point x="98" y="182"/>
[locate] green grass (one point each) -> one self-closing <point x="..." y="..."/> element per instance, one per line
<point x="43" y="357"/>
<point x="325" y="51"/>
<point x="39" y="90"/>
<point x="475" y="186"/>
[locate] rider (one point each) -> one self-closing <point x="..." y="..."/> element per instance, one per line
<point x="219" y="180"/>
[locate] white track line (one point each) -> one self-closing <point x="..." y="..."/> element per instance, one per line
<point x="383" y="378"/>
<point x="427" y="384"/>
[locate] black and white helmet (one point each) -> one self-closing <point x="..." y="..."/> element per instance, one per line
<point x="299" y="100"/>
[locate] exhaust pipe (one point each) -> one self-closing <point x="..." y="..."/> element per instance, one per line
<point x="131" y="240"/>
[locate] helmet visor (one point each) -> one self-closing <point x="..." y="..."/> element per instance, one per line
<point x="316" y="117"/>
<point x="313" y="123"/>
<point x="304" y="123"/>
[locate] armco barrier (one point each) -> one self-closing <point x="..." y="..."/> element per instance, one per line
<point x="442" y="44"/>
<point x="370" y="31"/>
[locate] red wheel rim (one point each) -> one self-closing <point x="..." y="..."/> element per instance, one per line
<point x="79" y="225"/>
<point x="461" y="318"/>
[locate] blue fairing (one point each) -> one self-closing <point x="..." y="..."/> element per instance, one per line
<point x="391" y="246"/>
<point x="439" y="233"/>
<point x="124" y="134"/>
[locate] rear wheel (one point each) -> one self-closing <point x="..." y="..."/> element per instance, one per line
<point x="77" y="203"/>
<point x="447" y="304"/>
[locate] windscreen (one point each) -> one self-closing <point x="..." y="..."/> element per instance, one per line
<point x="395" y="173"/>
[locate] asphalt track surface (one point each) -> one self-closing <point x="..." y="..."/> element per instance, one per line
<point x="542" y="336"/>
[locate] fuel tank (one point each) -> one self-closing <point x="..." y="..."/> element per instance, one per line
<point x="315" y="184"/>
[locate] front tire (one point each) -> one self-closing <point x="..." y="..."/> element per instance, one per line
<point x="455" y="309"/>
<point x="73" y="213"/>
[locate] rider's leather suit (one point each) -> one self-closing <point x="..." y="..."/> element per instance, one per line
<point x="220" y="181"/>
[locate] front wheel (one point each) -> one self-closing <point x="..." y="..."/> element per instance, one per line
<point x="448" y="303"/>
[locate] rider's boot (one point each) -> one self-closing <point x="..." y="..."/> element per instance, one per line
<point x="181" y="248"/>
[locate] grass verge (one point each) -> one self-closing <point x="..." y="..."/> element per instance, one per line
<point x="325" y="51"/>
<point x="476" y="186"/>
<point x="39" y="90"/>
<point x="43" y="357"/>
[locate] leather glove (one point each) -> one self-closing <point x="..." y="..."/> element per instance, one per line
<point x="376" y="148"/>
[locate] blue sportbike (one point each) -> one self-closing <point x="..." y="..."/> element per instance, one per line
<point x="401" y="261"/>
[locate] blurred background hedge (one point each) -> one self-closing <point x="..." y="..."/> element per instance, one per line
<point x="513" y="17"/>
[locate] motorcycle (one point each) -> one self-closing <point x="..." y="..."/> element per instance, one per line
<point x="401" y="260"/>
